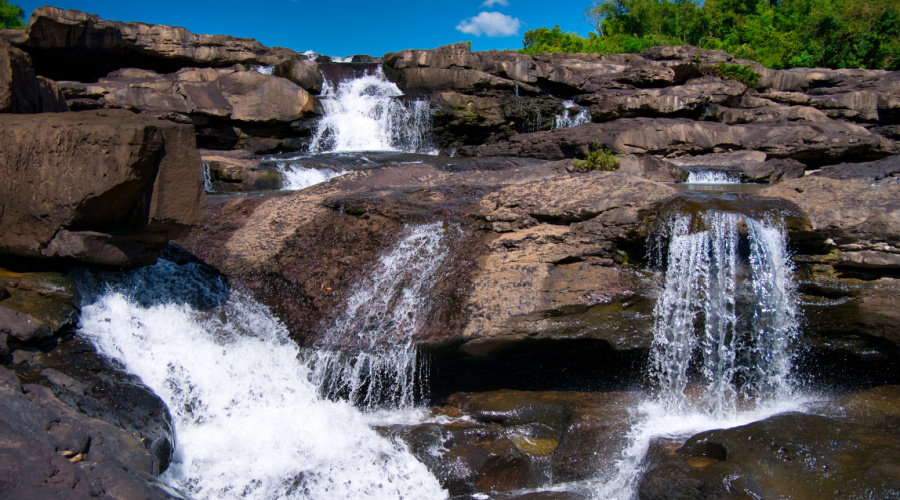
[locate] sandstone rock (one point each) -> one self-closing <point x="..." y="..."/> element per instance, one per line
<point x="301" y="71"/>
<point x="861" y="222"/>
<point x="690" y="98"/>
<point x="885" y="171"/>
<point x="651" y="168"/>
<point x="104" y="187"/>
<point x="37" y="305"/>
<point x="773" y="171"/>
<point x="811" y="143"/>
<point x="21" y="91"/>
<point x="789" y="455"/>
<point x="73" y="45"/>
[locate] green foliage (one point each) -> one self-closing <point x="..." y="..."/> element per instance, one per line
<point x="599" y="158"/>
<point x="11" y="15"/>
<point x="777" y="33"/>
<point x="743" y="74"/>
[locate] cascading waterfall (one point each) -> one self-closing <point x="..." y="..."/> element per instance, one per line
<point x="295" y="176"/>
<point x="248" y="422"/>
<point x="365" y="114"/>
<point x="207" y="179"/>
<point x="724" y="324"/>
<point x="712" y="177"/>
<point x="380" y="364"/>
<point x="572" y="116"/>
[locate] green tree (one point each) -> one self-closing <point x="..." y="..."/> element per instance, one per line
<point x="11" y="15"/>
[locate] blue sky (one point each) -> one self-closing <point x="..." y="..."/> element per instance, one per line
<point x="342" y="27"/>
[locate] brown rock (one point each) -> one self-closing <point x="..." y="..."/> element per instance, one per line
<point x="73" y="45"/>
<point x="21" y="91"/>
<point x="105" y="187"/>
<point x="301" y="71"/>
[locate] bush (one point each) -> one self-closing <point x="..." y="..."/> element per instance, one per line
<point x="599" y="158"/>
<point x="11" y="16"/>
<point x="743" y="74"/>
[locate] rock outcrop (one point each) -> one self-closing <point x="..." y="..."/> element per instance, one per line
<point x="104" y="187"/>
<point x="73" y="45"/>
<point x="21" y="90"/>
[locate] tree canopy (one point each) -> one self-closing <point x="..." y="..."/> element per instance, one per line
<point x="11" y="15"/>
<point x="777" y="33"/>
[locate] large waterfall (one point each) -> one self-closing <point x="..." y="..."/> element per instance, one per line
<point x="249" y="424"/>
<point x="724" y="323"/>
<point x="366" y="114"/>
<point x="379" y="363"/>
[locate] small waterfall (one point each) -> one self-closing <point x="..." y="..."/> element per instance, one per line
<point x="249" y="424"/>
<point x="726" y="316"/>
<point x="724" y="324"/>
<point x="365" y="114"/>
<point x="296" y="177"/>
<point x="380" y="363"/>
<point x="572" y="116"/>
<point x="713" y="177"/>
<point x="264" y="70"/>
<point x="207" y="179"/>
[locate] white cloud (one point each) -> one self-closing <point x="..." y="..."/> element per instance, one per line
<point x="492" y="24"/>
<point x="491" y="3"/>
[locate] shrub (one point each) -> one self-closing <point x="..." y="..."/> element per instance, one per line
<point x="598" y="158"/>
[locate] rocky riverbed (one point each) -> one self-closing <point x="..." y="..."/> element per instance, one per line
<point x="539" y="326"/>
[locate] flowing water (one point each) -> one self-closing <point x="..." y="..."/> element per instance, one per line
<point x="295" y="176"/>
<point x="207" y="179"/>
<point x="379" y="364"/>
<point x="572" y="116"/>
<point x="248" y="422"/>
<point x="712" y="177"/>
<point x="366" y="114"/>
<point x="724" y="324"/>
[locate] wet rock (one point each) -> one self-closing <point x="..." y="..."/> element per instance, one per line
<point x="789" y="455"/>
<point x="511" y="408"/>
<point x="231" y="174"/>
<point x="21" y="91"/>
<point x="53" y="450"/>
<point x="38" y="305"/>
<point x="73" y="45"/>
<point x="112" y="187"/>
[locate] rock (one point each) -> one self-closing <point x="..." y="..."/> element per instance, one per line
<point x="112" y="187"/>
<point x="789" y="455"/>
<point x="550" y="274"/>
<point x="691" y="98"/>
<point x="810" y="143"/>
<point x="36" y="427"/>
<point x="38" y="305"/>
<point x="511" y="408"/>
<point x="861" y="222"/>
<point x="21" y="91"/>
<point x="301" y="71"/>
<point x="881" y="172"/>
<point x="73" y="45"/>
<point x="651" y="168"/>
<point x="772" y="171"/>
<point x="229" y="174"/>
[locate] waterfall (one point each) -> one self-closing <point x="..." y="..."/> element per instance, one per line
<point x="207" y="179"/>
<point x="248" y="422"/>
<point x="365" y="114"/>
<point x="295" y="176"/>
<point x="712" y="177"/>
<point x="380" y="364"/>
<point x="724" y="323"/>
<point x="264" y="70"/>
<point x="568" y="119"/>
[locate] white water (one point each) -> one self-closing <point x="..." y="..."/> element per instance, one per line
<point x="724" y="323"/>
<point x="207" y="179"/>
<point x="365" y="114"/>
<point x="295" y="176"/>
<point x="265" y="70"/>
<point x="380" y="364"/>
<point x="712" y="177"/>
<point x="570" y="118"/>
<point x="248" y="422"/>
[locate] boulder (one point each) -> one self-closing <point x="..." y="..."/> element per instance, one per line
<point x="301" y="71"/>
<point x="107" y="187"/>
<point x="37" y="306"/>
<point x="21" y="91"/>
<point x="790" y="455"/>
<point x="812" y="143"/>
<point x="860" y="222"/>
<point x="73" y="45"/>
<point x="881" y="172"/>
